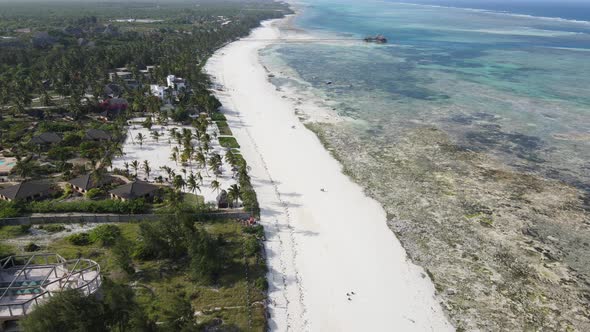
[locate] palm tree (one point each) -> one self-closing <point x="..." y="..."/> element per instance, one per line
<point x="174" y="157"/>
<point x="107" y="162"/>
<point x="148" y="123"/>
<point x="146" y="168"/>
<point x="192" y="183"/>
<point x="126" y="164"/>
<point x="135" y="165"/>
<point x="155" y="135"/>
<point x="24" y="168"/>
<point x="216" y="186"/>
<point x="140" y="138"/>
<point x="234" y="193"/>
<point x="230" y="157"/>
<point x="201" y="161"/>
<point x="199" y="178"/>
<point x="206" y="146"/>
<point x="243" y="170"/>
<point x="172" y="134"/>
<point x="178" y="182"/>
<point x="168" y="171"/>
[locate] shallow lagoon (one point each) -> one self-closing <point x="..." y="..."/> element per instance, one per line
<point x="515" y="87"/>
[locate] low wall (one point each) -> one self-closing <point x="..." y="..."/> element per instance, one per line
<point x="113" y="218"/>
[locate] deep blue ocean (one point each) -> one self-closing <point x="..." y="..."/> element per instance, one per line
<point x="566" y="9"/>
<point x="508" y="79"/>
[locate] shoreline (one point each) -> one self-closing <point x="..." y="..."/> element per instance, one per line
<point x="321" y="244"/>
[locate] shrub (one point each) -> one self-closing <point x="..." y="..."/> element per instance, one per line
<point x="53" y="228"/>
<point x="71" y="139"/>
<point x="102" y="206"/>
<point x="106" y="234"/>
<point x="258" y="230"/>
<point x="6" y="250"/>
<point x="30" y="247"/>
<point x="229" y="142"/>
<point x="218" y="116"/>
<point x="122" y="255"/>
<point x="80" y="239"/>
<point x="9" y="210"/>
<point x="56" y="126"/>
<point x="224" y="128"/>
<point x="261" y="283"/>
<point x="60" y="153"/>
<point x="92" y="193"/>
<point x="69" y="310"/>
<point x="7" y="232"/>
<point x="251" y="246"/>
<point x="205" y="259"/>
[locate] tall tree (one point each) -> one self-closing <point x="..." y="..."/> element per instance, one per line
<point x="146" y="168"/>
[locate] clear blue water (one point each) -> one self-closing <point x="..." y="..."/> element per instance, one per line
<point x="567" y="9"/>
<point x="516" y="88"/>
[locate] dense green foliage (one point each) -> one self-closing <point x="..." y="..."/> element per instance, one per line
<point x="107" y="234"/>
<point x="72" y="311"/>
<point x="207" y="270"/>
<point x="104" y="206"/>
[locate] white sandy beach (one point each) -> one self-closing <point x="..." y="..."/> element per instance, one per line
<point x="320" y="245"/>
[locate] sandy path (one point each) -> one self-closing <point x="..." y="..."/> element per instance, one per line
<point x="321" y="245"/>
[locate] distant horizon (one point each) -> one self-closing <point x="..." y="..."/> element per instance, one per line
<point x="578" y="10"/>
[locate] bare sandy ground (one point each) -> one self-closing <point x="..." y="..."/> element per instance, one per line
<point x="321" y="245"/>
<point x="158" y="153"/>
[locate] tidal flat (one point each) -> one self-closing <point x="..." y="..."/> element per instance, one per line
<point x="474" y="139"/>
<point x="506" y="250"/>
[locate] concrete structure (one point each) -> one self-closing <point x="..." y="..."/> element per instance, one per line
<point x="176" y="83"/>
<point x="28" y="280"/>
<point x="158" y="91"/>
<point x="124" y="75"/>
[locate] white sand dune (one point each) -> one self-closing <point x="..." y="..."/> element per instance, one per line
<point x="320" y="245"/>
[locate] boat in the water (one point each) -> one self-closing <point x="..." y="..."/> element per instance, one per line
<point x="380" y="39"/>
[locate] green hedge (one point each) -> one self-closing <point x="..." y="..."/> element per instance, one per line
<point x="229" y="142"/>
<point x="224" y="128"/>
<point x="105" y="206"/>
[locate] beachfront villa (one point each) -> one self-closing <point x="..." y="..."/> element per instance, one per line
<point x="85" y="182"/>
<point x="25" y="191"/>
<point x="134" y="190"/>
<point x="29" y="280"/>
<point x="158" y="91"/>
<point x="173" y="85"/>
<point x="97" y="135"/>
<point x="46" y="138"/>
<point x="176" y="83"/>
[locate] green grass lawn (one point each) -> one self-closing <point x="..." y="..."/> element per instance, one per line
<point x="224" y="128"/>
<point x="157" y="280"/>
<point x="229" y="142"/>
<point x="218" y="116"/>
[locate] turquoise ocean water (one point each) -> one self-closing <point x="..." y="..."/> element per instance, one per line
<point x="504" y="83"/>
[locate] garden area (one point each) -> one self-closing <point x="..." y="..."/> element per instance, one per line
<point x="179" y="274"/>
